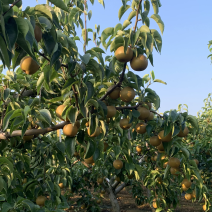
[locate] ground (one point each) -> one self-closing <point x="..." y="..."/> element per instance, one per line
<point x="127" y="204"/>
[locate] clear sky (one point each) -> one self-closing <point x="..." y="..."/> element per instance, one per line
<point x="183" y="63"/>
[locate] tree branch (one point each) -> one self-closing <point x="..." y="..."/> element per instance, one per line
<point x="115" y="184"/>
<point x="75" y="162"/>
<point x="128" y="107"/>
<point x="120" y="188"/>
<point x="16" y="2"/>
<point x="85" y="1"/>
<point x="5" y="136"/>
<point x="136" y="21"/>
<point x="117" y="85"/>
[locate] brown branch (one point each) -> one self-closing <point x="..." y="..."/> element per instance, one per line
<point x="75" y="94"/>
<point x="23" y="91"/>
<point x="5" y="136"/>
<point x="75" y="162"/>
<point x="16" y="2"/>
<point x="136" y="21"/>
<point x="85" y="1"/>
<point x="117" y="85"/>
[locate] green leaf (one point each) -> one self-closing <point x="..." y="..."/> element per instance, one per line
<point x="41" y="8"/>
<point x="61" y="146"/>
<point x="135" y="113"/>
<point x="26" y="111"/>
<point x="4" y="52"/>
<point x="185" y="152"/>
<point x="56" y="55"/>
<point x="7" y="119"/>
<point x="85" y="58"/>
<point x="90" y="149"/>
<point x="155" y="6"/>
<point x="92" y="102"/>
<point x="90" y="91"/>
<point x="7" y="163"/>
<point x="131" y="15"/>
<point x="161" y="81"/>
<point x="158" y="20"/>
<point x="152" y="97"/>
<point x="40" y="82"/>
<point x="6" y="94"/>
<point x="6" y="207"/>
<point x="157" y="38"/>
<point x="89" y="15"/>
<point x="70" y="145"/>
<point x="152" y="75"/>
<point x="130" y="167"/>
<point x="60" y="4"/>
<point x="72" y="113"/>
<point x="46" y="115"/>
<point x="105" y="34"/>
<point x="30" y="205"/>
<point x="193" y="121"/>
<point x="97" y="49"/>
<point x="69" y="83"/>
<point x="73" y="13"/>
<point x="102" y="2"/>
<point x="12" y="31"/>
<point x="103" y="125"/>
<point x="116" y="43"/>
<point x="144" y="15"/>
<point x="22" y="24"/>
<point x="126" y="24"/>
<point x="122" y="10"/>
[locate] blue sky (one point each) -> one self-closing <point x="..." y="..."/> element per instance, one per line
<point x="183" y="63"/>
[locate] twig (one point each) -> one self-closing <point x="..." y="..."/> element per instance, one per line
<point x="136" y="21"/>
<point x="117" y="85"/>
<point x="5" y="136"/>
<point x="16" y="2"/>
<point x="85" y="1"/>
<point x="23" y="91"/>
<point x="74" y="163"/>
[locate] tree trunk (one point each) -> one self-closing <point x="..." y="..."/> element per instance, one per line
<point x="114" y="202"/>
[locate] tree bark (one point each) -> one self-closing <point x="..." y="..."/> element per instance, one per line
<point x="114" y="202"/>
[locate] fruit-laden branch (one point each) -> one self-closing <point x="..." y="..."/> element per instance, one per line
<point x="136" y="21"/>
<point x="5" y="136"/>
<point x="117" y="85"/>
<point x="16" y="2"/>
<point x="120" y="188"/>
<point x="135" y="107"/>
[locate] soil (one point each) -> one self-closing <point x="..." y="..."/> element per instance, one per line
<point x="127" y="204"/>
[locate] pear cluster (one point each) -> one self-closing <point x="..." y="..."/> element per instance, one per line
<point x="139" y="63"/>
